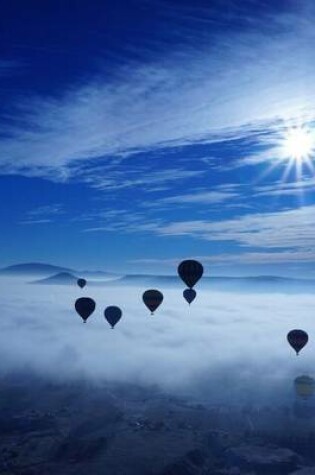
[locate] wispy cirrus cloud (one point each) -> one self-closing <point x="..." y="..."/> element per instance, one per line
<point x="193" y="94"/>
<point x="286" y="234"/>
<point x="43" y="214"/>
<point x="205" y="197"/>
<point x="280" y="229"/>
<point x="298" y="187"/>
<point x="141" y="177"/>
<point x="241" y="258"/>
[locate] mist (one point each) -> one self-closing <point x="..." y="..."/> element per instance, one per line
<point x="226" y="347"/>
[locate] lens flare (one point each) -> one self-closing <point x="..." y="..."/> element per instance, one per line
<point x="293" y="150"/>
<point x="298" y="144"/>
<point x="297" y="148"/>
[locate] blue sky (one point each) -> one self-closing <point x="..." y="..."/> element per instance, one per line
<point x="137" y="133"/>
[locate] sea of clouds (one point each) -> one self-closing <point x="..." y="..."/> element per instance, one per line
<point x="224" y="347"/>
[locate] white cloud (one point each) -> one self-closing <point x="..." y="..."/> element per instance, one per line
<point x="266" y="257"/>
<point x="122" y="220"/>
<point x="142" y="178"/>
<point x="241" y="258"/>
<point x="281" y="229"/>
<point x="227" y="86"/>
<point x="43" y="214"/>
<point x="215" y="340"/>
<point x="274" y="237"/>
<point x="298" y="187"/>
<point x="37" y="221"/>
<point x="206" y="197"/>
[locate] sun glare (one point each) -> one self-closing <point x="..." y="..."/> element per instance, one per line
<point x="297" y="148"/>
<point x="298" y="144"/>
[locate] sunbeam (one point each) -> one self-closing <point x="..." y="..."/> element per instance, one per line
<point x="293" y="151"/>
<point x="297" y="148"/>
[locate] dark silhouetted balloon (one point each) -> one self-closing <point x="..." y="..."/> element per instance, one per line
<point x="152" y="299"/>
<point x="304" y="386"/>
<point x="112" y="315"/>
<point x="81" y="283"/>
<point x="297" y="339"/>
<point x="189" y="295"/>
<point x="85" y="306"/>
<point x="190" y="272"/>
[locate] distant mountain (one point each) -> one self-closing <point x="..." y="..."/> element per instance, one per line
<point x="239" y="284"/>
<point x="46" y="270"/>
<point x="63" y="278"/>
<point x="51" y="274"/>
<point x="212" y="279"/>
<point x="67" y="278"/>
<point x="143" y="279"/>
<point x="98" y="275"/>
<point x="33" y="268"/>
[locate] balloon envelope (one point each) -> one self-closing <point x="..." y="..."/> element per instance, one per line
<point x="304" y="386"/>
<point x="190" y="272"/>
<point x="297" y="339"/>
<point x="152" y="299"/>
<point x="189" y="295"/>
<point x="113" y="315"/>
<point x="85" y="306"/>
<point x="81" y="283"/>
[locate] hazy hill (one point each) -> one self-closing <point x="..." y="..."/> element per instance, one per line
<point x="62" y="278"/>
<point x="240" y="284"/>
<point x="48" y="270"/>
<point x="99" y="275"/>
<point x="51" y="274"/>
<point x="33" y="268"/>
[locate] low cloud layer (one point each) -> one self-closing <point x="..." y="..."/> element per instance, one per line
<point x="222" y="340"/>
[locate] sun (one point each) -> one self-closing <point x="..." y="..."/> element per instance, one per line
<point x="297" y="148"/>
<point x="292" y="150"/>
<point x="298" y="144"/>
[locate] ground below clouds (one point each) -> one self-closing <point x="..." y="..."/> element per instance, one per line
<point x="123" y="429"/>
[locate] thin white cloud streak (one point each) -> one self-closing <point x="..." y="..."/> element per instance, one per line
<point x="122" y="222"/>
<point x="299" y="187"/>
<point x="242" y="258"/>
<point x="47" y="209"/>
<point x="43" y="214"/>
<point x="284" y="257"/>
<point x="145" y="180"/>
<point x="206" y="197"/>
<point x="216" y="339"/>
<point x="282" y="229"/>
<point x="37" y="221"/>
<point x="214" y="194"/>
<point x="243" y="81"/>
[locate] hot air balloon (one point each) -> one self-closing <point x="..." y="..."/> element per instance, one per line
<point x="189" y="295"/>
<point x="297" y="339"/>
<point x="81" y="283"/>
<point x="85" y="306"/>
<point x="190" y="272"/>
<point x="152" y="299"/>
<point x="113" y="315"/>
<point x="304" y="386"/>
